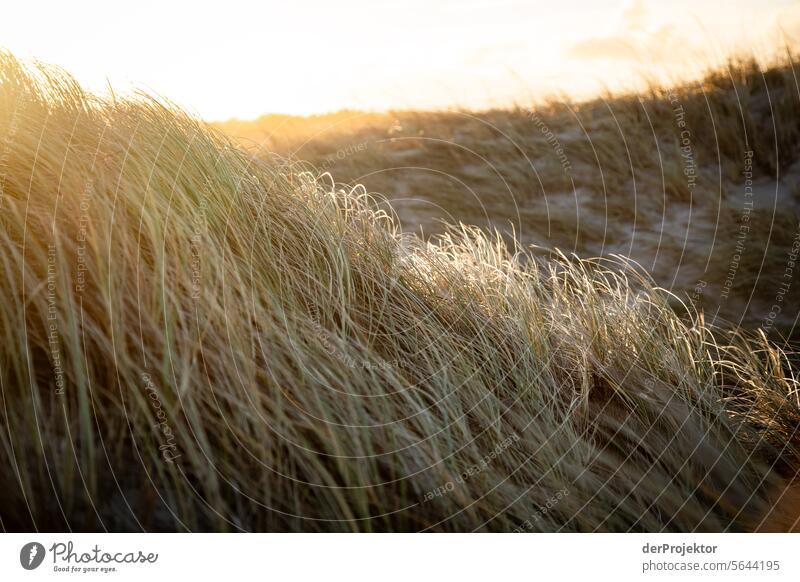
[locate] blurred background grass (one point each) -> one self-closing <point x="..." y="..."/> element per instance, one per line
<point x="660" y="177"/>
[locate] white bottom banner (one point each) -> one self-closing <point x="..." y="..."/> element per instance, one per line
<point x="401" y="557"/>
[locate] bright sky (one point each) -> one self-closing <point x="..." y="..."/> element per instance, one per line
<point x="230" y="58"/>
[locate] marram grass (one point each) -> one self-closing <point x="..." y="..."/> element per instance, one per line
<point x="193" y="339"/>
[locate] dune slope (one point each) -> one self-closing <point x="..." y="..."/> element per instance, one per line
<point x="197" y="339"/>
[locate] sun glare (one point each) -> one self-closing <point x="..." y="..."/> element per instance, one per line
<point x="246" y="60"/>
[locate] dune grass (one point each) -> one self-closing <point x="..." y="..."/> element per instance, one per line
<point x="195" y="338"/>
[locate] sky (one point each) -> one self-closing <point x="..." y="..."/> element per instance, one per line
<point x="234" y="59"/>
